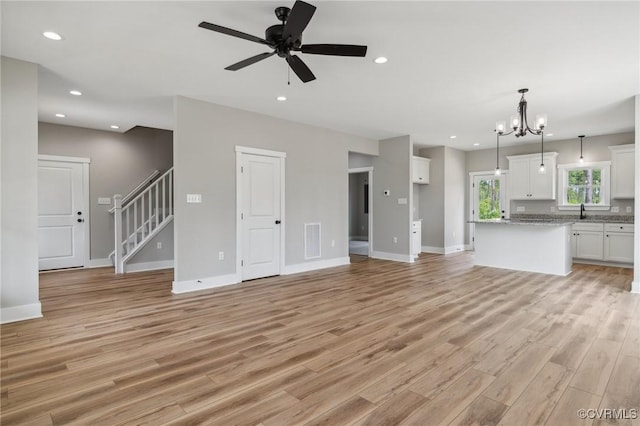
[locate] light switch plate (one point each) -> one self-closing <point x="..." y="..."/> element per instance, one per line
<point x="194" y="198"/>
<point x="629" y="209"/>
<point x="615" y="209"/>
<point x="520" y="208"/>
<point x="402" y="201"/>
<point x="104" y="200"/>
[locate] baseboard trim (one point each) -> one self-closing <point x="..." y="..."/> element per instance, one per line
<point x="99" y="263"/>
<point x="407" y="258"/>
<point x="148" y="266"/>
<point x="20" y="313"/>
<point x="205" y="283"/>
<point x="316" y="264"/>
<point x="453" y="249"/>
<point x="603" y="263"/>
<point x="635" y="287"/>
<point x="433" y="249"/>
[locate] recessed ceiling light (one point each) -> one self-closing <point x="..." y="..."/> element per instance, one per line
<point x="281" y="98"/>
<point x="60" y="115"/>
<point x="380" y="60"/>
<point x="452" y="137"/>
<point x="52" y="36"/>
<point x="476" y="144"/>
<point x="113" y="126"/>
<point x="76" y="92"/>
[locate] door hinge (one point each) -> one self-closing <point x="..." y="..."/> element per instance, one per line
<point x="241" y="215"/>
<point x="242" y="263"/>
<point x="473" y="239"/>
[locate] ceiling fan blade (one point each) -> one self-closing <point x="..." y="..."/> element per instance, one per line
<point x="298" y="20"/>
<point x="249" y="61"/>
<point x="233" y="33"/>
<point x="300" y="68"/>
<point x="335" y="49"/>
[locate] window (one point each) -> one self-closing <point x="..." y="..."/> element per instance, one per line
<point x="586" y="184"/>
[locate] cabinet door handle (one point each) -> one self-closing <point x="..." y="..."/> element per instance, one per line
<point x="607" y="235"/>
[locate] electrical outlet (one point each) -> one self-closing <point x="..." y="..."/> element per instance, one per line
<point x="220" y="255"/>
<point x="520" y="208"/>
<point x="615" y="209"/>
<point x="395" y="240"/>
<point x="629" y="209"/>
<point x="159" y="245"/>
<point x="333" y="243"/>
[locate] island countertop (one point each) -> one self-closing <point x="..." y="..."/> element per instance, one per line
<point x="528" y="222"/>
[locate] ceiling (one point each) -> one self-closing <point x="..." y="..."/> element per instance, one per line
<point x="454" y="67"/>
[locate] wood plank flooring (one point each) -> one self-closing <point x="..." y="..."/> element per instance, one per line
<point x="372" y="343"/>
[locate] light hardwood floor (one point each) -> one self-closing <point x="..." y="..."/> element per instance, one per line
<point x="376" y="342"/>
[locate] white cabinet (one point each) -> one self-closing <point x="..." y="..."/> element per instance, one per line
<point x="618" y="242"/>
<point x="420" y="169"/>
<point x="587" y="240"/>
<point x="622" y="171"/>
<point x="611" y="242"/>
<point x="526" y="182"/>
<point x="416" y="237"/>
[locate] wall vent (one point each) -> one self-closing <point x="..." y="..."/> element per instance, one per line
<point x="311" y="240"/>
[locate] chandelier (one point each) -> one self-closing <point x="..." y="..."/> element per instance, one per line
<point x="520" y="127"/>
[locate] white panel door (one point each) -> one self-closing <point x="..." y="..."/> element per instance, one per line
<point x="261" y="195"/>
<point x="61" y="219"/>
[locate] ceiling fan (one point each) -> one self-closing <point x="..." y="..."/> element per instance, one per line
<point x="286" y="37"/>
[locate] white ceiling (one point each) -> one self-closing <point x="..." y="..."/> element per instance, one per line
<point x="454" y="67"/>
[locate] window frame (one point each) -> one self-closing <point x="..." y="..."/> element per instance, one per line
<point x="605" y="185"/>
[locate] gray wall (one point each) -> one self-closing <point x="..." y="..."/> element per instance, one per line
<point x="594" y="149"/>
<point x="119" y="162"/>
<point x="358" y="220"/>
<point x="19" y="198"/>
<point x="431" y="199"/>
<point x="454" y="198"/>
<point x="316" y="183"/>
<point x="392" y="171"/>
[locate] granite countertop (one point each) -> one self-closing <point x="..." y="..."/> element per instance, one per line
<point x="574" y="218"/>
<point x="528" y="222"/>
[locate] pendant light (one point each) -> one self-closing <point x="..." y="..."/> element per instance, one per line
<point x="581" y="157"/>
<point x="497" y="172"/>
<point x="542" y="168"/>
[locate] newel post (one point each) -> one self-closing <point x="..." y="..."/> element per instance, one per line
<point x="117" y="225"/>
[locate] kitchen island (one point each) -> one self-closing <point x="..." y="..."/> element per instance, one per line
<point x="532" y="246"/>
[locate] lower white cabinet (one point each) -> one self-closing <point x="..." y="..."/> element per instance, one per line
<point x="416" y="237"/>
<point x="612" y="242"/>
<point x="618" y="243"/>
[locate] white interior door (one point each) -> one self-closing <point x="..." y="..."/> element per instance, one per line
<point x="62" y="214"/>
<point x="488" y="198"/>
<point x="261" y="215"/>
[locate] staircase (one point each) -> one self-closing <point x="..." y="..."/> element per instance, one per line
<point x="137" y="221"/>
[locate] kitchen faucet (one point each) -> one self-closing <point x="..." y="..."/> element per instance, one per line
<point x="583" y="214"/>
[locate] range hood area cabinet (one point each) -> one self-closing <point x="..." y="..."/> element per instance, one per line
<point x="525" y="180"/>
<point x="420" y="168"/>
<point x="622" y="171"/>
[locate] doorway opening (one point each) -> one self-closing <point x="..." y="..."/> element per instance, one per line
<point x="360" y="211"/>
<point x="488" y="198"/>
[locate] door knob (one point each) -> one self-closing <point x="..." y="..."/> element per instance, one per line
<point x="80" y="220"/>
<point x="277" y="222"/>
<point x="79" y="213"/>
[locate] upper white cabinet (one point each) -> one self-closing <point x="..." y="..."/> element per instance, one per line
<point x="622" y="171"/>
<point x="421" y="169"/>
<point x="526" y="182"/>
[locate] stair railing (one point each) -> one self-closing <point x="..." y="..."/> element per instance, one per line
<point x="139" y="220"/>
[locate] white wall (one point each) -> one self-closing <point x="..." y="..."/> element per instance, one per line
<point x="431" y="199"/>
<point x="19" y="217"/>
<point x="316" y="185"/>
<point x="454" y="199"/>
